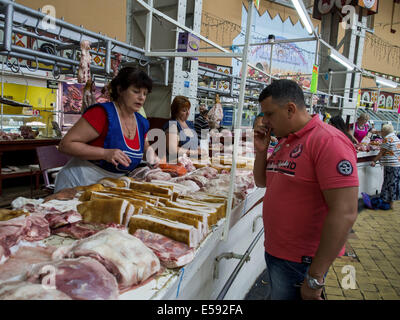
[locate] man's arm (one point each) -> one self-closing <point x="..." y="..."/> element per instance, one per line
<point x="342" y="205"/>
<point x="262" y="137"/>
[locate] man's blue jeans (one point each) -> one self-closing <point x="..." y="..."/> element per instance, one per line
<point x="285" y="278"/>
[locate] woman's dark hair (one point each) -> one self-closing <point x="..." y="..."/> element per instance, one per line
<point x="178" y="104"/>
<point x="284" y="91"/>
<point x="130" y="76"/>
<point x="338" y="123"/>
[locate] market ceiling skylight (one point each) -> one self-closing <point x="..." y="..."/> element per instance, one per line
<point x="305" y="18"/>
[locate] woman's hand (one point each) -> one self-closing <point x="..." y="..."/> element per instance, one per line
<point x="262" y="138"/>
<point x="116" y="157"/>
<point x="373" y="163"/>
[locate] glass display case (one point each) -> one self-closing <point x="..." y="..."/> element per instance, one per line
<point x="12" y="122"/>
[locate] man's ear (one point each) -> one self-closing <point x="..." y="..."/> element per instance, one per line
<point x="291" y="109"/>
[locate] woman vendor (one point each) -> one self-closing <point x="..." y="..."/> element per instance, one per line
<point x="361" y="128"/>
<point x="180" y="138"/>
<point x="109" y="140"/>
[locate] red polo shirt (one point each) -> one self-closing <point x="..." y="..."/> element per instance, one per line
<point x="316" y="158"/>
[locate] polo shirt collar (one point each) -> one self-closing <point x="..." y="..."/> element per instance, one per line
<point x="309" y="126"/>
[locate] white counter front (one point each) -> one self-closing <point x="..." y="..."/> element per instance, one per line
<point x="370" y="178"/>
<point x="200" y="279"/>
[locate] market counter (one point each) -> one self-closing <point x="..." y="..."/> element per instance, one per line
<point x="205" y="277"/>
<point x="370" y="178"/>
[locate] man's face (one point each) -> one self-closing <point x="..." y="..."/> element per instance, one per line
<point x="275" y="117"/>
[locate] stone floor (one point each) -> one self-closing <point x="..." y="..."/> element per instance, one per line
<point x="370" y="269"/>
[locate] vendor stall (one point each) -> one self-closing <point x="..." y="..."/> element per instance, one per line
<point x="203" y="274"/>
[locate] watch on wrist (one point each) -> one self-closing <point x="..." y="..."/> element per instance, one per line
<point x="313" y="283"/>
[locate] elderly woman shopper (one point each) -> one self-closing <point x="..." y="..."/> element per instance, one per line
<point x="389" y="158"/>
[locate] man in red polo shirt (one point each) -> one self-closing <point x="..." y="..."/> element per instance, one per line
<point x="312" y="192"/>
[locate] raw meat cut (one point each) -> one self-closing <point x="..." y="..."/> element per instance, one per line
<point x="157" y="174"/>
<point x="125" y="256"/>
<point x="216" y="113"/>
<point x="84" y="65"/>
<point x="31" y="228"/>
<point x="178" y="231"/>
<point x="79" y="230"/>
<point x="19" y="263"/>
<point x="139" y="173"/>
<point x="187" y="163"/>
<point x="172" y="254"/>
<point x="115" y="63"/>
<point x="21" y="290"/>
<point x="199" y="179"/>
<point x="65" y="194"/>
<point x="58" y="220"/>
<point x="208" y="172"/>
<point x="193" y="186"/>
<point x="82" y="279"/>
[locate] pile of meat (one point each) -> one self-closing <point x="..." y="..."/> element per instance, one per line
<point x="6" y="136"/>
<point x="27" y="132"/>
<point x="363" y="147"/>
<point x="92" y="268"/>
<point x="220" y="186"/>
<point x="222" y="142"/>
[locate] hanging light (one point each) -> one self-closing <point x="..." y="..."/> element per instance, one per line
<point x="386" y="82"/>
<point x="341" y="59"/>
<point x="305" y="18"/>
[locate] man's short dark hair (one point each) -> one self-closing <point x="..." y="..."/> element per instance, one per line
<point x="284" y="91"/>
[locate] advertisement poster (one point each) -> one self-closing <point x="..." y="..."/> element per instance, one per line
<point x="72" y="97"/>
<point x="386" y="100"/>
<point x="296" y="59"/>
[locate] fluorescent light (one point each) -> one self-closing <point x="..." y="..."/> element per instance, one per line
<point x="301" y="10"/>
<point x="341" y="59"/>
<point x="386" y="82"/>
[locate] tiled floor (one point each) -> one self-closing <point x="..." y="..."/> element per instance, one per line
<point x="370" y="270"/>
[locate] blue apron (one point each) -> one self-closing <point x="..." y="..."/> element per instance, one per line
<point x="115" y="140"/>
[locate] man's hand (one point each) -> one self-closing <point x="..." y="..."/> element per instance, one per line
<point x="262" y="138"/>
<point x="310" y="294"/>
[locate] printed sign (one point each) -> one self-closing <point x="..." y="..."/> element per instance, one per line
<point x="314" y="79"/>
<point x="371" y="5"/>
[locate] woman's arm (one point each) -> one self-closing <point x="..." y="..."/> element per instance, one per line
<point x="353" y="139"/>
<point x="149" y="154"/>
<point x="378" y="157"/>
<point x="75" y="143"/>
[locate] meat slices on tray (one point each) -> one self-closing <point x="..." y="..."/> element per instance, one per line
<point x="21" y="290"/>
<point x="172" y="254"/>
<point x="81" y="279"/>
<point x="124" y="255"/>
